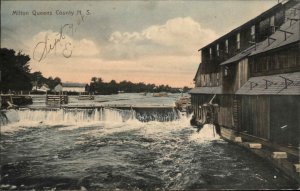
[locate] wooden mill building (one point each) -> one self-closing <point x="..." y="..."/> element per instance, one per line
<point x="251" y="77"/>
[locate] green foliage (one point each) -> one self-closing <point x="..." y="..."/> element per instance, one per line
<point x="38" y="80"/>
<point x="16" y="76"/>
<point x="98" y="86"/>
<point x="15" y="73"/>
<point x="14" y="70"/>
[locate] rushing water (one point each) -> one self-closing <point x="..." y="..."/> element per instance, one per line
<point x="117" y="149"/>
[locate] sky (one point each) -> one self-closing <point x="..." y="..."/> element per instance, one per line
<point x="139" y="41"/>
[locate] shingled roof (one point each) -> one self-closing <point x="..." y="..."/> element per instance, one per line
<point x="280" y="84"/>
<point x="248" y="23"/>
<point x="239" y="56"/>
<point x="287" y="34"/>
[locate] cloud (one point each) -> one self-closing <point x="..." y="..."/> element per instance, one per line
<point x="176" y="71"/>
<point x="60" y="45"/>
<point x="180" y="36"/>
<point x="161" y="54"/>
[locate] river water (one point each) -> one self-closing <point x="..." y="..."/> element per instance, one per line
<point x="119" y="149"/>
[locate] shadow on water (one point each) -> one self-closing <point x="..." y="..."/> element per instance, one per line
<point x="235" y="168"/>
<point x="17" y="175"/>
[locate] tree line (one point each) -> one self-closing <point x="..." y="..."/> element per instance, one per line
<point x="98" y="86"/>
<point x="15" y="74"/>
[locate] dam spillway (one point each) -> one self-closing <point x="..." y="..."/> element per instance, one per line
<point x="74" y="115"/>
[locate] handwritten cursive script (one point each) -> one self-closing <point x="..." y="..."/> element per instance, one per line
<point x="43" y="48"/>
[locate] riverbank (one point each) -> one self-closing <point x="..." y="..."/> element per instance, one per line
<point x="285" y="159"/>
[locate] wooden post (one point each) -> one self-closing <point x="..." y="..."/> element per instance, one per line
<point x="47" y="99"/>
<point x="60" y="99"/>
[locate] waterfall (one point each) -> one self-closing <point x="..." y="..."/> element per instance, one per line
<point x="111" y="119"/>
<point x="8" y="116"/>
<point x="89" y="115"/>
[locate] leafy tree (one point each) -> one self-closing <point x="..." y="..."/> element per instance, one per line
<point x="53" y="82"/>
<point x="186" y="89"/>
<point x="98" y="86"/>
<point x="15" y="73"/>
<point x="94" y="79"/>
<point x="37" y="79"/>
<point x="87" y="88"/>
<point x="15" y="70"/>
<point x="100" y="80"/>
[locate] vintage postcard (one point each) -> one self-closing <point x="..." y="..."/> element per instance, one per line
<point x="149" y="95"/>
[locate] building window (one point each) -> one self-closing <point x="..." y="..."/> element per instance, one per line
<point x="226" y="71"/>
<point x="218" y="50"/>
<point x="272" y="24"/>
<point x="226" y="46"/>
<point x="253" y="33"/>
<point x="210" y="53"/>
<point x="238" y="41"/>
<point x="264" y="65"/>
<point x="252" y="68"/>
<point x="255" y="67"/>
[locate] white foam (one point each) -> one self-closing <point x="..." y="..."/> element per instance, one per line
<point x="205" y="135"/>
<point x="106" y="121"/>
<point x="110" y="119"/>
<point x="12" y="115"/>
<point x="64" y="116"/>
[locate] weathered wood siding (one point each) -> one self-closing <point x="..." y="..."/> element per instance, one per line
<point x="238" y="76"/>
<point x="245" y="113"/>
<point x="210" y="80"/>
<point x="225" y="115"/>
<point x="255" y="115"/>
<point x="261" y="115"/>
<point x="242" y="74"/>
<point x="197" y="100"/>
<point x="285" y="110"/>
